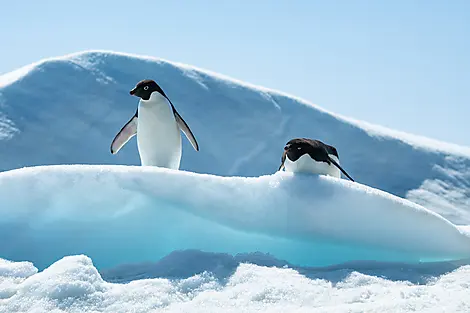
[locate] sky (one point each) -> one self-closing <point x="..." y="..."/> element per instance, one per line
<point x="401" y="64"/>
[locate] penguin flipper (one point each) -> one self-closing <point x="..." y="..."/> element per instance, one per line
<point x="124" y="135"/>
<point x="340" y="168"/>
<point x="185" y="129"/>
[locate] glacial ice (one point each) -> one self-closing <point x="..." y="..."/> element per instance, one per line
<point x="119" y="214"/>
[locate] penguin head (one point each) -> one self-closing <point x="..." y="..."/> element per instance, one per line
<point x="297" y="147"/>
<point x="145" y="88"/>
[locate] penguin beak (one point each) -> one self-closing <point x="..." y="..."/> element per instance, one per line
<point x="133" y="91"/>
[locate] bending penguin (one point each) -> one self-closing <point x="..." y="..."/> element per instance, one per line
<point x="157" y="125"/>
<point x="311" y="156"/>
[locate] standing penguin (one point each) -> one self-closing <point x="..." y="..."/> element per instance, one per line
<point x="311" y="156"/>
<point x="157" y="125"/>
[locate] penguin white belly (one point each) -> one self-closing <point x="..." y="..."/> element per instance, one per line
<point x="158" y="135"/>
<point x="305" y="164"/>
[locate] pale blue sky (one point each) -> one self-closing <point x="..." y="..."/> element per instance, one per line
<point x="401" y="64"/>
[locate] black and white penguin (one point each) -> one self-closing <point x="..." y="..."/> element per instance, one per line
<point x="157" y="125"/>
<point x="311" y="156"/>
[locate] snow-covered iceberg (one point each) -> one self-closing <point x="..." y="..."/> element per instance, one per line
<point x="119" y="214"/>
<point x="240" y="128"/>
<point x="125" y="214"/>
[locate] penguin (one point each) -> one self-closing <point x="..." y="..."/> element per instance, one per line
<point x="157" y="125"/>
<point x="312" y="156"/>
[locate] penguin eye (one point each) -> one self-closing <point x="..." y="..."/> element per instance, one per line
<point x="146" y="88"/>
<point x="299" y="148"/>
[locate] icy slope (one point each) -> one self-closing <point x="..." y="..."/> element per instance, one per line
<point x="119" y="214"/>
<point x="67" y="110"/>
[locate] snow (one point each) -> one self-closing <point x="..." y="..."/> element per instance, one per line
<point x="226" y="232"/>
<point x="73" y="284"/>
<point x="119" y="214"/>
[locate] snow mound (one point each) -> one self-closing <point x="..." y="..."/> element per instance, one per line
<point x="67" y="110"/>
<point x="120" y="214"/>
<point x="74" y="285"/>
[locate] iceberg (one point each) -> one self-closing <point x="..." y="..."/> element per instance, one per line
<point x="119" y="214"/>
<point x="241" y="128"/>
<point x="106" y="236"/>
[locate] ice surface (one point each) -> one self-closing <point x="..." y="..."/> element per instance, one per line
<point x="67" y="110"/>
<point x="117" y="214"/>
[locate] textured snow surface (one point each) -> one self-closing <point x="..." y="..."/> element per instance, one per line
<point x="67" y="110"/>
<point x="73" y="284"/>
